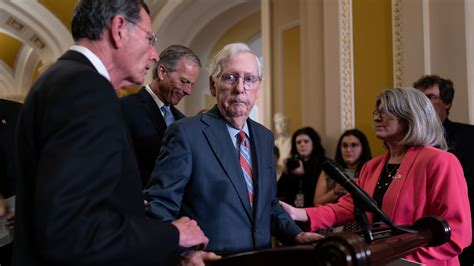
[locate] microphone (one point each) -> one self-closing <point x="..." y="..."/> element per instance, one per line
<point x="334" y="171"/>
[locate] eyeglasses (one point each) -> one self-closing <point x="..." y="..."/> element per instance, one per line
<point x="231" y="79"/>
<point x="151" y="36"/>
<point x="379" y="114"/>
<point x="352" y="145"/>
<point x="432" y="97"/>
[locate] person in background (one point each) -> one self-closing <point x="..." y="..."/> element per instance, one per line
<point x="414" y="179"/>
<point x="218" y="167"/>
<point x="459" y="137"/>
<point x="352" y="152"/>
<point x="298" y="181"/>
<point x="79" y="199"/>
<point x="9" y="112"/>
<point x="149" y="112"/>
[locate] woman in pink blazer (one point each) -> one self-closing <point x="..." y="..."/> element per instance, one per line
<point x="415" y="178"/>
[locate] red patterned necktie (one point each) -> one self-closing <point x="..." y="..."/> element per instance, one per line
<point x="245" y="163"/>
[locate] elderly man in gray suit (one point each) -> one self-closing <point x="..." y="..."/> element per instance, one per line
<point x="218" y="167"/>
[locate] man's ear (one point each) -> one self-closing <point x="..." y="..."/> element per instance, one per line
<point x="118" y="31"/>
<point x="161" y="72"/>
<point x="448" y="106"/>
<point x="212" y="86"/>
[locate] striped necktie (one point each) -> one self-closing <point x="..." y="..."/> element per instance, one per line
<point x="167" y="115"/>
<point x="246" y="163"/>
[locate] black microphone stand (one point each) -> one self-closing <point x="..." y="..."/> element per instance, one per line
<point x="363" y="203"/>
<point x="363" y="221"/>
<point x="361" y="217"/>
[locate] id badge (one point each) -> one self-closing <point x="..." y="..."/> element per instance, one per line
<point x="299" y="200"/>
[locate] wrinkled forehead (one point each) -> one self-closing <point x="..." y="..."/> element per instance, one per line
<point x="243" y="62"/>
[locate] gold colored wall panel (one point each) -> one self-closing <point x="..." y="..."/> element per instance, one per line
<point x="292" y="76"/>
<point x="62" y="9"/>
<point x="373" y="63"/>
<point x="10" y="48"/>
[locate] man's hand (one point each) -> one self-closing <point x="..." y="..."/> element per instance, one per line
<point x="198" y="258"/>
<point x="307" y="237"/>
<point x="190" y="234"/>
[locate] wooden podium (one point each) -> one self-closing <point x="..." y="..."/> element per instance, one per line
<point x="348" y="248"/>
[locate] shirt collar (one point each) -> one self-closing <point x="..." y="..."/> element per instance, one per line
<point x="155" y="98"/>
<point x="234" y="131"/>
<point x="96" y="62"/>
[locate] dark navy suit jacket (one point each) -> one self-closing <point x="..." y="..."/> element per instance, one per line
<point x="460" y="139"/>
<point x="198" y="174"/>
<point x="9" y="112"/>
<point x="79" y="196"/>
<point x="147" y="127"/>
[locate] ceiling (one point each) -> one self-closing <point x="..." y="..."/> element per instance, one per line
<point x="34" y="33"/>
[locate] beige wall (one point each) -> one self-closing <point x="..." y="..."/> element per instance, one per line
<point x="285" y="67"/>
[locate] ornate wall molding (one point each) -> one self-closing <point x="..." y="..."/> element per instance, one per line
<point x="397" y="40"/>
<point x="347" y="65"/>
<point x="470" y="57"/>
<point x="34" y="25"/>
<point x="44" y="38"/>
<point x="8" y="83"/>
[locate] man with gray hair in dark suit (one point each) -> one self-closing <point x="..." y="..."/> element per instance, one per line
<point x="79" y="199"/>
<point x="149" y="111"/>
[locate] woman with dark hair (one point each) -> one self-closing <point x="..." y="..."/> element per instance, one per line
<point x="352" y="152"/>
<point x="300" y="172"/>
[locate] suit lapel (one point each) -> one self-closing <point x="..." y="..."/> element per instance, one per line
<point x="152" y="110"/>
<point x="176" y="113"/>
<point x="219" y="140"/>
<point x="258" y="151"/>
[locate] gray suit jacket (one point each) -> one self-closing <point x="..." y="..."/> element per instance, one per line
<point x="198" y="175"/>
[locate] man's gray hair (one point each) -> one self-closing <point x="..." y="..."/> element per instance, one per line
<point x="415" y="109"/>
<point x="215" y="69"/>
<point x="91" y="17"/>
<point x="170" y="56"/>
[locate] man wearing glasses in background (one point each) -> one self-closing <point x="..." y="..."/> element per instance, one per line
<point x="459" y="137"/>
<point x="149" y="111"/>
<point x="218" y="167"/>
<point x="79" y="199"/>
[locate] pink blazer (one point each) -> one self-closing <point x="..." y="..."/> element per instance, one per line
<point x="430" y="182"/>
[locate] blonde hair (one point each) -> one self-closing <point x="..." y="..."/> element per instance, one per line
<point x="411" y="106"/>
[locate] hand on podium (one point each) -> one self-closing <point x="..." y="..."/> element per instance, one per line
<point x="198" y="258"/>
<point x="307" y="237"/>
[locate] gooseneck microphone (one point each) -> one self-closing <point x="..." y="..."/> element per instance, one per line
<point x="359" y="196"/>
